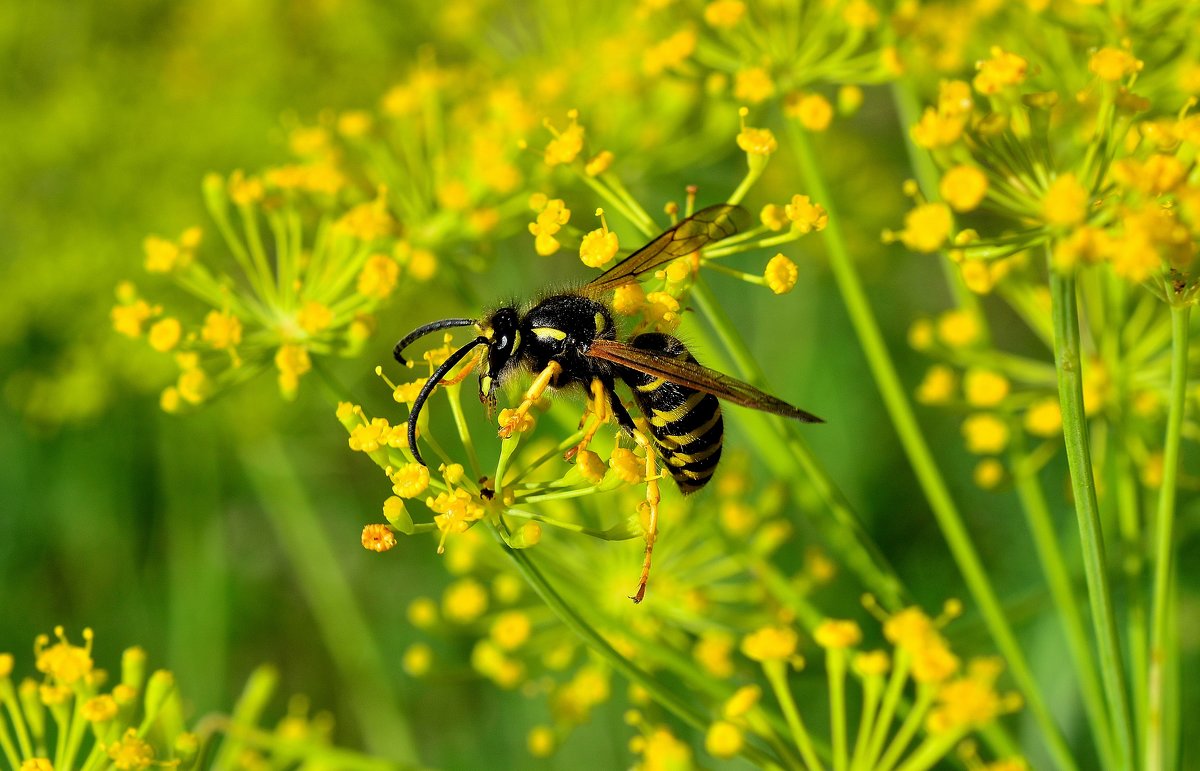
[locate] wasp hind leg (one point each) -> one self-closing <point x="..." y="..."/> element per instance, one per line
<point x="535" y="391"/>
<point x="641" y="435"/>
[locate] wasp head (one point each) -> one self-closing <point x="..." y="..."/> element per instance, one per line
<point x="502" y="330"/>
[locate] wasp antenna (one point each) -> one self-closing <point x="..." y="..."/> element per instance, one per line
<point x="434" y="379"/>
<point x="420" y="332"/>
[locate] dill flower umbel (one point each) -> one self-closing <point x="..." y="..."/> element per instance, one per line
<point x="135" y="722"/>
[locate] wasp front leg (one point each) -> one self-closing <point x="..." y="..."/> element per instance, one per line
<point x="535" y="391"/>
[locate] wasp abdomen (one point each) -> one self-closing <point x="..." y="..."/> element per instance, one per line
<point x="685" y="423"/>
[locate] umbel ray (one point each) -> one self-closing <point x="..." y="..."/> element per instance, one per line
<point x="569" y="340"/>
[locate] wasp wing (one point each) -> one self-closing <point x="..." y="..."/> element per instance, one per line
<point x="695" y="376"/>
<point x="681" y="239"/>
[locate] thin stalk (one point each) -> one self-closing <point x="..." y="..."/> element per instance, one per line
<point x="668" y="699"/>
<point x="1083" y="484"/>
<point x="777" y="675"/>
<point x="1050" y="551"/>
<point x="1164" y="538"/>
<point x="340" y="619"/>
<point x="921" y="458"/>
<point x="835" y="665"/>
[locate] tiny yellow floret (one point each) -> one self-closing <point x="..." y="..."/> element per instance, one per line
<point x="986" y="434"/>
<point x="724" y="14"/>
<point x="957" y="328"/>
<point x="165" y="334"/>
<point x="805" y="215"/>
<point x="781" y="274"/>
<point x="410" y="480"/>
<point x="984" y="388"/>
<point x="927" y="227"/>
<point x="963" y="187"/>
<point x="1066" y="201"/>
<point x="378" y="538"/>
<point x="812" y="111"/>
<point x="835" y="633"/>
<point x="937" y="387"/>
<point x="541" y="741"/>
<point x="1113" y="64"/>
<point x="464" y="601"/>
<point x="1003" y="69"/>
<point x="221" y="330"/>
<point x="628" y="466"/>
<point x="770" y="644"/>
<point x="723" y="739"/>
<point x="628" y="299"/>
<point x="753" y="85"/>
<point x="417" y="659"/>
<point x="591" y="466"/>
<point x="988" y="474"/>
<point x="1044" y="417"/>
<point x="132" y="752"/>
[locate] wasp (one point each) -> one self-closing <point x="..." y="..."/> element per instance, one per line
<point x="569" y="340"/>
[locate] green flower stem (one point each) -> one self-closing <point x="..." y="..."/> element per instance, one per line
<point x="1050" y="551"/>
<point x="1087" y="510"/>
<point x="930" y="478"/>
<point x="197" y="611"/>
<point x="8" y="695"/>
<point x="930" y="751"/>
<point x="777" y="676"/>
<point x="1164" y="539"/>
<point x="835" y="669"/>
<point x="908" y="729"/>
<point x="6" y="743"/>
<point x="668" y="699"/>
<point x="246" y="713"/>
<point x="343" y="626"/>
<point x="842" y="531"/>
<point x="872" y="694"/>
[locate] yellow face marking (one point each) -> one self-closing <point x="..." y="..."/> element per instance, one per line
<point x="697" y="432"/>
<point x="485" y="384"/>
<point x="516" y="340"/>
<point x="600" y="322"/>
<point x="550" y="332"/>
<point x="662" y="418"/>
<point x="488" y="332"/>
<point x="655" y="383"/>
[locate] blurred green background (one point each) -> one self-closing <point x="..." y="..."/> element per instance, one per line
<point x="144" y="526"/>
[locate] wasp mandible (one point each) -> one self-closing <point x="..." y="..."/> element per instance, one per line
<point x="569" y="340"/>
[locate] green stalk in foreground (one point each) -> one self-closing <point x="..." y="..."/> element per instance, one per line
<point x="1064" y="310"/>
<point x="1164" y="541"/>
<point x="344" y="628"/>
<point x="919" y="455"/>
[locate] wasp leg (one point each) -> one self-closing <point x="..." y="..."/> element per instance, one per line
<point x="652" y="499"/>
<point x="598" y="407"/>
<point x="536" y="389"/>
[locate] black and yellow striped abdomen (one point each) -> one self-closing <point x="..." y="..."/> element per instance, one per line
<point x="685" y="423"/>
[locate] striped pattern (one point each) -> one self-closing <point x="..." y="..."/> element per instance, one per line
<point x="686" y="424"/>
